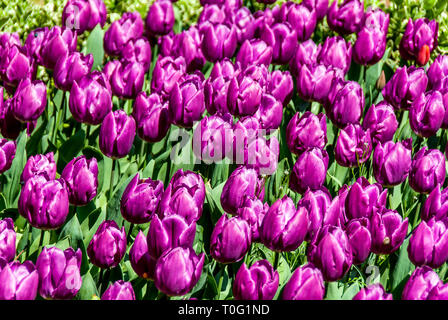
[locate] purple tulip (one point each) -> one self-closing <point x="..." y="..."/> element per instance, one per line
<point x="219" y="41"/>
<point x="337" y="53"/>
<point x="166" y="74"/>
<point x="282" y="37"/>
<point x="320" y="6"/>
<point x="346" y="18"/>
<point x="347" y="104"/>
<point x="244" y="96"/>
<point x="420" y="284"/>
<point x="281" y="86"/>
<point x="306" y="283"/>
<point x="10" y="127"/>
<point x="188" y="45"/>
<point x="127" y="79"/>
<point x="129" y="27"/>
<point x="7" y="154"/>
<point x="360" y="239"/>
<point x="331" y="252"/>
<point x="270" y="113"/>
<point x="18" y="281"/>
<point x="211" y="14"/>
<point x="109" y="69"/>
<point x="187" y="102"/>
<point x="81" y="177"/>
<point x="137" y="50"/>
<point x="230" y="239"/>
<point x="405" y="86"/>
<point x="388" y="230"/>
<point x="215" y="93"/>
<point x="364" y="199"/>
<point x="59" y="273"/>
<point x="427" y="113"/>
<point x="184" y="196"/>
<point x="317" y="202"/>
<point x="245" y="132"/>
<point x="108" y="245"/>
<point x="306" y="54"/>
<point x="336" y="210"/>
<point x="34" y="42"/>
<point x="262" y="155"/>
<point x="141" y="261"/>
<point x="160" y="18"/>
<point x="117" y="134"/>
<point x="314" y="82"/>
<point x="419" y="40"/>
<point x="259" y="282"/>
<point x="15" y="66"/>
<point x="436" y="205"/>
<point x="39" y="165"/>
<point x="370" y="45"/>
<point x="82" y="15"/>
<point x="353" y="146"/>
<point x="30" y="100"/>
<point x="373" y="292"/>
<point x="310" y="170"/>
<point x="7" y="240"/>
<point x="428" y="244"/>
<point x="253" y="52"/>
<point x="392" y="162"/>
<point x="178" y="271"/>
<point x="140" y="199"/>
<point x="244" y="22"/>
<point x="253" y="211"/>
<point x="58" y="42"/>
<point x="381" y="121"/>
<point x="263" y="17"/>
<point x="300" y="17"/>
<point x="438" y="73"/>
<point x="119" y="290"/>
<point x="170" y="232"/>
<point x="439" y="292"/>
<point x="90" y="99"/>
<point x="44" y="203"/>
<point x="427" y="170"/>
<point x="71" y="68"/>
<point x="284" y="227"/>
<point x="306" y="132"/>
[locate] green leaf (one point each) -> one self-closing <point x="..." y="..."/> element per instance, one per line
<point x="88" y="288"/>
<point x="334" y="291"/>
<point x="12" y="185"/>
<point x="72" y="230"/>
<point x="70" y="149"/>
<point x="396" y="198"/>
<point x="351" y="291"/>
<point x="402" y="270"/>
<point x="95" y="46"/>
<point x="113" y="206"/>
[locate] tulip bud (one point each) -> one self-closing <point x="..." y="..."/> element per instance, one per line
<point x="230" y="239"/>
<point x="263" y="17"/>
<point x="7" y="153"/>
<point x="127" y="79"/>
<point x="178" y="271"/>
<point x="244" y="96"/>
<point x="160" y="18"/>
<point x="317" y="202"/>
<point x="306" y="283"/>
<point x="253" y="211"/>
<point x="306" y="54"/>
<point x="117" y="134"/>
<point x="282" y="37"/>
<point x="320" y="6"/>
<point x="270" y="113"/>
<point x="405" y="86"/>
<point x="259" y="282"/>
<point x="262" y="155"/>
<point x="436" y="205"/>
<point x="360" y="240"/>
<point x="83" y="15"/>
<point x="44" y="203"/>
<point x="15" y="66"/>
<point x="219" y="41"/>
<point x="438" y="73"/>
<point x="119" y="290"/>
<point x="39" y="165"/>
<point x="427" y="113"/>
<point x="336" y="52"/>
<point x="381" y="121"/>
<point x="388" y="230"/>
<point x="306" y="132"/>
<point x="353" y="146"/>
<point x="167" y="73"/>
<point x="419" y="40"/>
<point x="187" y="102"/>
<point x="109" y="69"/>
<point x="310" y="170"/>
<point x="188" y="45"/>
<point x="254" y="52"/>
<point x="30" y="100"/>
<point x="314" y="82"/>
<point x="245" y="131"/>
<point x="8" y="240"/>
<point x="18" y="281"/>
<point x="58" y="42"/>
<point x="241" y="183"/>
<point x="108" y="245"/>
<point x="244" y="22"/>
<point x="170" y="232"/>
<point x="364" y="199"/>
<point x="284" y="227"/>
<point x="420" y="284"/>
<point x="331" y="252"/>
<point x="138" y="50"/>
<point x="347" y="17"/>
<point x="373" y="292"/>
<point x="281" y="86"/>
<point x="427" y="170"/>
<point x="370" y="45"/>
<point x="140" y="199"/>
<point x="301" y="17"/>
<point x="215" y="94"/>
<point x="141" y="261"/>
<point x="34" y="42"/>
<point x="129" y="27"/>
<point x="392" y="162"/>
<point x="211" y="14"/>
<point x="71" y="68"/>
<point x="428" y="244"/>
<point x="59" y="273"/>
<point x="81" y="177"/>
<point x="90" y="99"/>
<point x="347" y="103"/>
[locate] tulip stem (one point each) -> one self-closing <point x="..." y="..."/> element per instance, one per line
<point x="41" y="241"/>
<point x="221" y="279"/>
<point x="130" y="232"/>
<point x="100" y="281"/>
<point x="276" y="259"/>
<point x="112" y="172"/>
<point x="87" y="133"/>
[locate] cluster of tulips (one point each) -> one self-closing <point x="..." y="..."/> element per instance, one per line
<point x="228" y="80"/>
